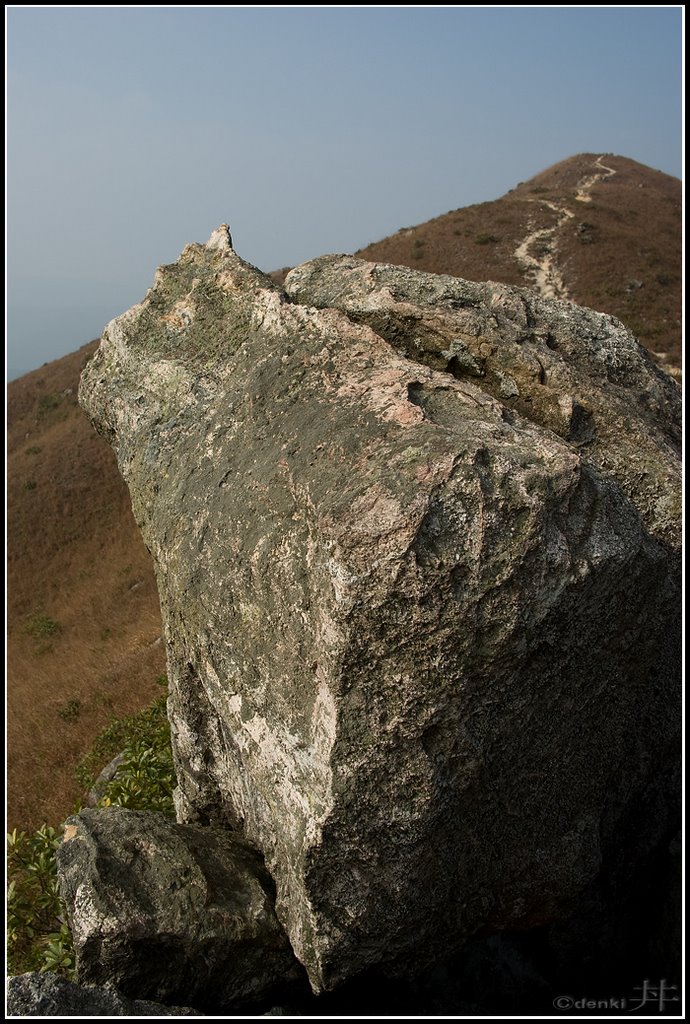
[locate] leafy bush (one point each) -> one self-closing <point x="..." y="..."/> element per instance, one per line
<point x="38" y="936"/>
<point x="42" y="630"/>
<point x="145" y="779"/>
<point x="485" y="239"/>
<point x="149" y="730"/>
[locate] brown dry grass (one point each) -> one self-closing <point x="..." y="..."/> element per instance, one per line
<point x="76" y="557"/>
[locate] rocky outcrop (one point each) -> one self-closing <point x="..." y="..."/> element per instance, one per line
<point x="48" y="995"/>
<point x="171" y="912"/>
<point x="417" y="561"/>
<point x="567" y="369"/>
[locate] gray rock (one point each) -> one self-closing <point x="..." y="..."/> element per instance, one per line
<point x="98" y="790"/>
<point x="420" y="595"/>
<point x="170" y="912"/>
<point x="48" y="995"/>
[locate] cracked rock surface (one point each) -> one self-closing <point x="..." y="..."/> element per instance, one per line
<point x="417" y="556"/>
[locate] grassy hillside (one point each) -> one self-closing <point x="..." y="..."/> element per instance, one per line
<point x="83" y="618"/>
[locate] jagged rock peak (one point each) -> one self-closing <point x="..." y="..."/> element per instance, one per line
<point x="220" y="238"/>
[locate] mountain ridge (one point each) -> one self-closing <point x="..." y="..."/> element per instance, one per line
<point x="617" y="249"/>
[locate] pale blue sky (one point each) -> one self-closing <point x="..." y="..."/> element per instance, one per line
<point x="132" y="131"/>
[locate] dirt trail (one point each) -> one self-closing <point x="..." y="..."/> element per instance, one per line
<point x="584" y="187"/>
<point x="542" y="265"/>
<point x="537" y="252"/>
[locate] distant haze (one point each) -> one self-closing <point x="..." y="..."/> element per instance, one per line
<point x="133" y="131"/>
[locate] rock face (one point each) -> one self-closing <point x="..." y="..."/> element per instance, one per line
<point x="417" y="560"/>
<point x="171" y="912"/>
<point x="48" y="995"/>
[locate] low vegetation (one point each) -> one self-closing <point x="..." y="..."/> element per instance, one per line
<point x="41" y="627"/>
<point x="38" y="935"/>
<point x="48" y="403"/>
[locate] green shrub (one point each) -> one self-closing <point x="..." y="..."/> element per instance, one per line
<point x="38" y="936"/>
<point x="47" y="403"/>
<point x="42" y="630"/>
<point x="133" y="735"/>
<point x="145" y="779"/>
<point x="485" y="239"/>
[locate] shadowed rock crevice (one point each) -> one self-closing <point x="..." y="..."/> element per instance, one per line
<point x="416" y="542"/>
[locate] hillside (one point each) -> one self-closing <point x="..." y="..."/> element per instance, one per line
<point x="83" y="618"/>
<point x="603" y="231"/>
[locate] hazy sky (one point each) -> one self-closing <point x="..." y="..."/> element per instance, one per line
<point x="133" y="131"/>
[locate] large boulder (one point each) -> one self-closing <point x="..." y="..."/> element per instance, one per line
<point x="422" y="632"/>
<point x="171" y="912"/>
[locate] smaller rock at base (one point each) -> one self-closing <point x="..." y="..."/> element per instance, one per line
<point x="169" y="912"/>
<point x="48" y="995"/>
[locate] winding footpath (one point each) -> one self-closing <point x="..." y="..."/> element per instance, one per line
<point x="584" y="187"/>
<point x="537" y="252"/>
